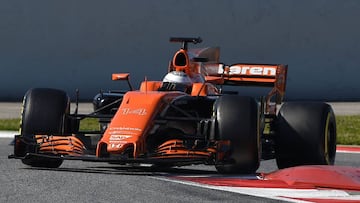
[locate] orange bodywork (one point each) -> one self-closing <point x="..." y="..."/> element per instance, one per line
<point x="150" y="86"/>
<point x="120" y="76"/>
<point x="132" y="121"/>
<point x="181" y="62"/>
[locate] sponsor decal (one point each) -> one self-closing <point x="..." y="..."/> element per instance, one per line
<point x="122" y="133"/>
<point x="114" y="129"/>
<point x="128" y="111"/>
<point x="248" y="70"/>
<point x="118" y="137"/>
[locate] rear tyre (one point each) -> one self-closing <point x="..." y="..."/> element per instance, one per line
<point x="44" y="112"/>
<point x="237" y="122"/>
<point x="305" y="134"/>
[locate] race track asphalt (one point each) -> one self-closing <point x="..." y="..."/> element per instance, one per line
<point x="77" y="181"/>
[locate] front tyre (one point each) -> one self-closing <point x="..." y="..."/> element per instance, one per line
<point x="305" y="135"/>
<point x="237" y="122"/>
<point x="44" y="112"/>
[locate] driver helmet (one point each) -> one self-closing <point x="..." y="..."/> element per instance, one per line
<point x="176" y="81"/>
<point x="178" y="77"/>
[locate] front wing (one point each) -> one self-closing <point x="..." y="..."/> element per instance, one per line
<point x="171" y="152"/>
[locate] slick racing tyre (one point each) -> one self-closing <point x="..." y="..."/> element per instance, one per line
<point x="237" y="122"/>
<point x="305" y="134"/>
<point x="44" y="112"/>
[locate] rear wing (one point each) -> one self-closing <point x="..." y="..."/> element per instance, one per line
<point x="266" y="75"/>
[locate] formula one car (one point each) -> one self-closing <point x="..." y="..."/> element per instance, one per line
<point x="187" y="118"/>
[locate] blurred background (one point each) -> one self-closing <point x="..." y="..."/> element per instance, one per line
<point x="78" y="44"/>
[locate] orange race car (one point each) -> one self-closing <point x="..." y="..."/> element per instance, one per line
<point x="187" y="118"/>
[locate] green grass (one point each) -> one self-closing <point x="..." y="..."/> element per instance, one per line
<point x="89" y="124"/>
<point x="10" y="124"/>
<point x="348" y="127"/>
<point x="348" y="130"/>
<point x="14" y="124"/>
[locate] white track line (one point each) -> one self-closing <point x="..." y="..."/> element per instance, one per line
<point x="8" y="134"/>
<point x="347" y="151"/>
<point x="283" y="194"/>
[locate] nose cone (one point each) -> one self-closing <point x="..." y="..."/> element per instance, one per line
<point x="130" y="125"/>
